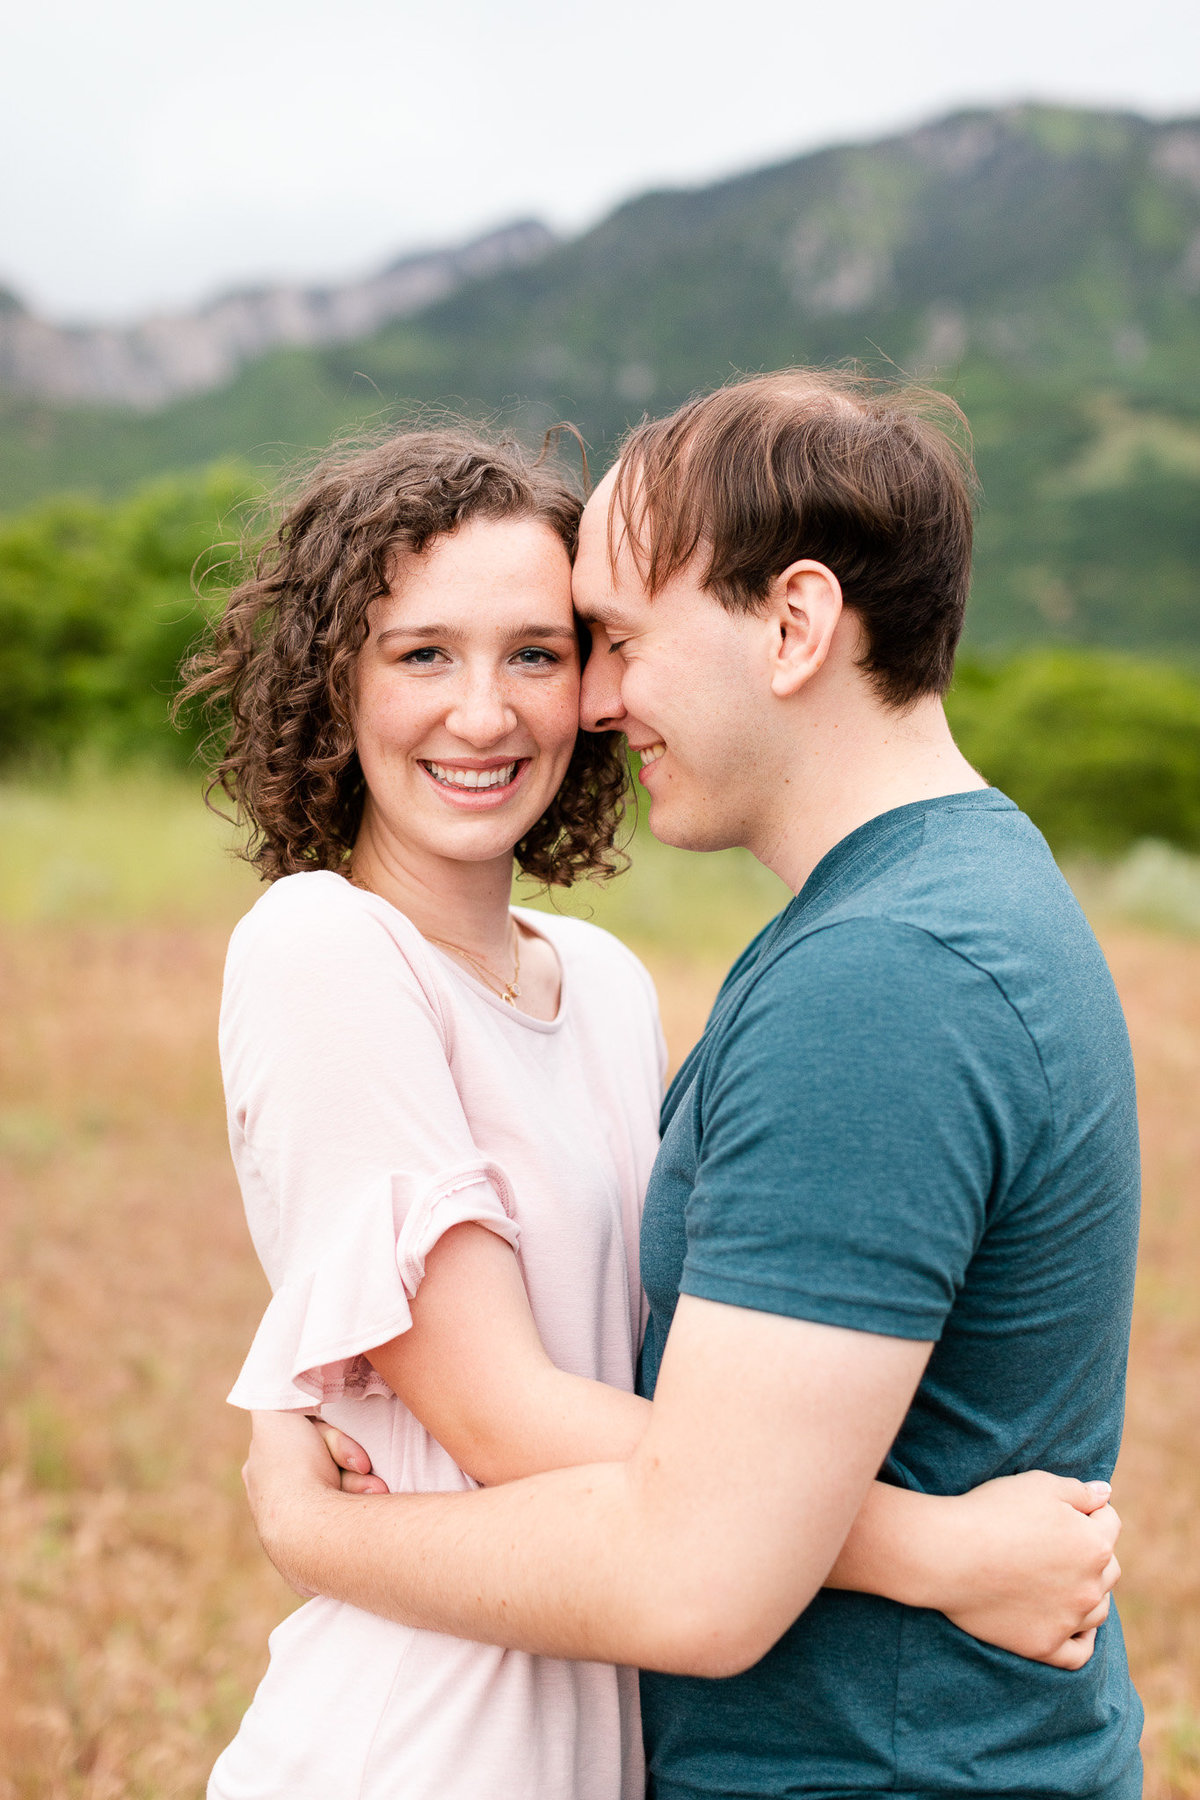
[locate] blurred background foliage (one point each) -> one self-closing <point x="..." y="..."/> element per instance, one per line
<point x="1100" y="749"/>
<point x="98" y="605"/>
<point x="100" y="600"/>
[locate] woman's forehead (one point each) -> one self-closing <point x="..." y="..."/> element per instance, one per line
<point x="485" y="563"/>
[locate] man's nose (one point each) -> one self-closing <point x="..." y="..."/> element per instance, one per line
<point x="600" y="704"/>
<point x="481" y="712"/>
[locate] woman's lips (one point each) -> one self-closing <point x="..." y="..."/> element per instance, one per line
<point x="475" y="787"/>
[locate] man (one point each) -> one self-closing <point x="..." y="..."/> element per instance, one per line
<point x="893" y="1221"/>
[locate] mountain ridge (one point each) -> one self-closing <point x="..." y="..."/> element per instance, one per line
<point x="160" y="358"/>
<point x="1040" y="263"/>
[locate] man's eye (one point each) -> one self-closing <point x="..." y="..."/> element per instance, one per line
<point x="616" y="644"/>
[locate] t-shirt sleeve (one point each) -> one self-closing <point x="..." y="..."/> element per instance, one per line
<point x="353" y="1147"/>
<point x="872" y="1095"/>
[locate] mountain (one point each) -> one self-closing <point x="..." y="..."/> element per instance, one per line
<point x="1041" y="263"/>
<point x="150" y="364"/>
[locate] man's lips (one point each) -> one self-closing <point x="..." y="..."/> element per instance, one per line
<point x="649" y="755"/>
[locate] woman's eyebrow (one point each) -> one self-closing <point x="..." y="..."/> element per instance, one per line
<point x="534" y="630"/>
<point x="431" y="631"/>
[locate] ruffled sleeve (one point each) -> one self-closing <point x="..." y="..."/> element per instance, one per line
<point x="350" y="1141"/>
<point x="309" y="1346"/>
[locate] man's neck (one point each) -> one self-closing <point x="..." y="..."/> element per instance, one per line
<point x="852" y="769"/>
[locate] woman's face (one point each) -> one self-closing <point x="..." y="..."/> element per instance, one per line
<point x="467" y="696"/>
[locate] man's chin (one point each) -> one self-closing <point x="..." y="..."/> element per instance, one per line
<point x="684" y="834"/>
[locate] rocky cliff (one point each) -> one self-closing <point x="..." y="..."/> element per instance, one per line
<point x="160" y="359"/>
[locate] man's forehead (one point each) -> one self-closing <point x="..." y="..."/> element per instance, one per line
<point x="606" y="597"/>
<point x="606" y="585"/>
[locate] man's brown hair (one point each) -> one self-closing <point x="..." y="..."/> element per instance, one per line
<point x="277" y="668"/>
<point x="861" y="475"/>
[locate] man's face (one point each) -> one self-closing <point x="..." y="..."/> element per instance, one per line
<point x="686" y="682"/>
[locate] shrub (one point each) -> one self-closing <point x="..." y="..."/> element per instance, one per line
<point x="1100" y="749"/>
<point x="97" y="609"/>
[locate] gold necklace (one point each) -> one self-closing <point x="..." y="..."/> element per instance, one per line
<point x="509" y="991"/>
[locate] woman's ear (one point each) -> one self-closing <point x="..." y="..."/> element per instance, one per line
<point x="805" y="605"/>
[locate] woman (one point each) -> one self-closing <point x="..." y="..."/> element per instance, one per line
<point x="422" y="1081"/>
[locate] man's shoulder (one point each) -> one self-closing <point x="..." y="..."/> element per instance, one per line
<point x="976" y="888"/>
<point x="852" y="957"/>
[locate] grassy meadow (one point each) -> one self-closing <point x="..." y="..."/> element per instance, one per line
<point x="134" y="1603"/>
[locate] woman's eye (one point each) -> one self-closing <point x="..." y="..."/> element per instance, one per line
<point x="533" y="655"/>
<point x="424" y="657"/>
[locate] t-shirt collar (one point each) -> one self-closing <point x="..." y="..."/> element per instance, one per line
<point x="887" y="831"/>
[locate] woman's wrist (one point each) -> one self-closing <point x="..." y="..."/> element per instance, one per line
<point x="903" y="1546"/>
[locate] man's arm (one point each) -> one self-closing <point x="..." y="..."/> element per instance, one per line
<point x="693" y="1557"/>
<point x="1016" y="1562"/>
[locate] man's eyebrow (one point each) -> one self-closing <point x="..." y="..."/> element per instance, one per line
<point x="606" y="617"/>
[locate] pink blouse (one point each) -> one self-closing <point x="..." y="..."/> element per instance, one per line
<point x="377" y="1095"/>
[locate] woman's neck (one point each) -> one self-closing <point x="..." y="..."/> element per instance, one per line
<point x="461" y="903"/>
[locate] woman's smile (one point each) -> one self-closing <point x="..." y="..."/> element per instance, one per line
<point x="479" y="785"/>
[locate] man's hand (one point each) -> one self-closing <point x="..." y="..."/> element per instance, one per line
<point x="287" y="1467"/>
<point x="1034" y="1558"/>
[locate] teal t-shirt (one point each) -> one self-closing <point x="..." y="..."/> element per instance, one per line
<point x="912" y="1113"/>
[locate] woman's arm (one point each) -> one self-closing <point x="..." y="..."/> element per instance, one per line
<point x="473" y="1370"/>
<point x="1025" y="1562"/>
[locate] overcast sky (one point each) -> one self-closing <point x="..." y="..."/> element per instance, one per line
<point x="153" y="153"/>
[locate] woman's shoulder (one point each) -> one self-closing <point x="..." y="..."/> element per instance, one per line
<point x="318" y="916"/>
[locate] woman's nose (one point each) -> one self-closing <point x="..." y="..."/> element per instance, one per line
<point x="481" y="712"/>
<point x="600" y="704"/>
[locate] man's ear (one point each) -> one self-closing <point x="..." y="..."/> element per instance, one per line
<point x="805" y="606"/>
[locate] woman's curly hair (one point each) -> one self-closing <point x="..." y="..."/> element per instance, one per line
<point x="276" y="670"/>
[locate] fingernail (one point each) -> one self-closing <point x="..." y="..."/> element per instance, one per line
<point x="1103" y="1488"/>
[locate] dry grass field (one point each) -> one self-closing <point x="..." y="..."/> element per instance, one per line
<point x="134" y="1605"/>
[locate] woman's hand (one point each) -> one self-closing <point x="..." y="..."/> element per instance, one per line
<point x="1025" y="1562"/>
<point x="1035" y="1565"/>
<point x="350" y="1459"/>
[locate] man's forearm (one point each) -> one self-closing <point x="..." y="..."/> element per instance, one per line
<point x="693" y="1556"/>
<point x="563" y="1564"/>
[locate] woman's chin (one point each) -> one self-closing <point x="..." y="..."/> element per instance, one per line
<point x="480" y="839"/>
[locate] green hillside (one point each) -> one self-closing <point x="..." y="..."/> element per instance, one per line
<point x="1042" y="264"/>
